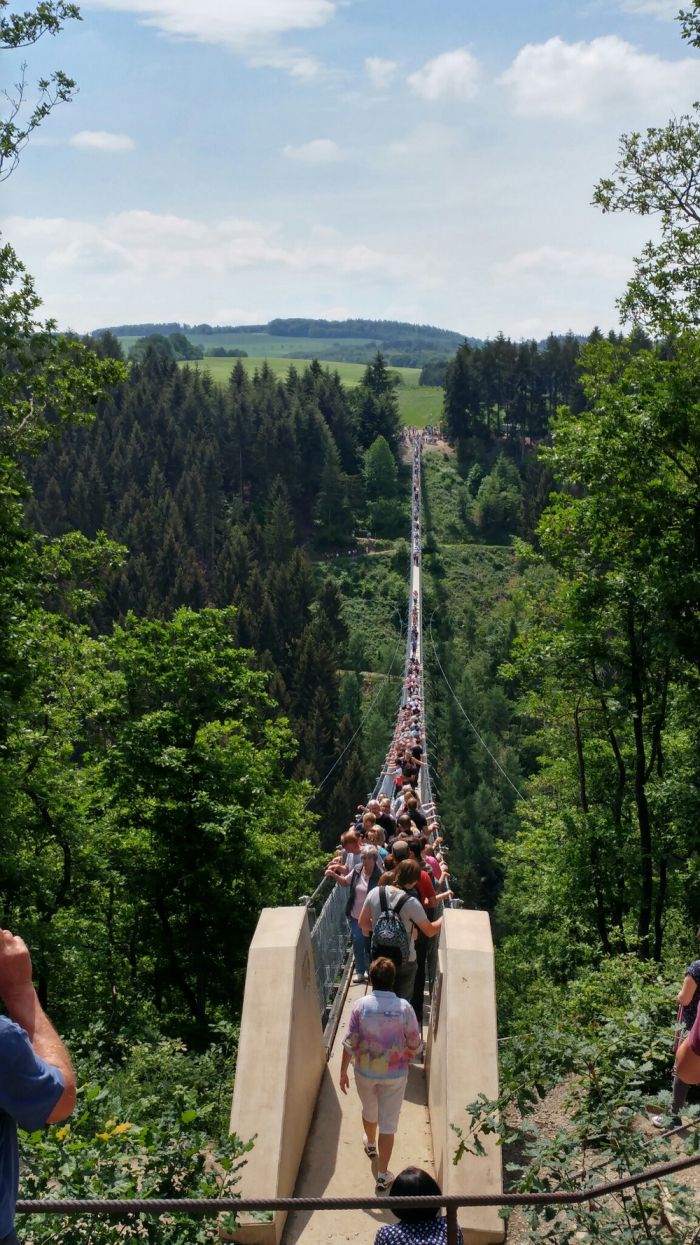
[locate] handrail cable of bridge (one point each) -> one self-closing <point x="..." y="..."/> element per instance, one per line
<point x="363" y="719"/>
<point x="468" y="720"/>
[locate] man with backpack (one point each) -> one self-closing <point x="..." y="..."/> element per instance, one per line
<point x="382" y="1037"/>
<point x="392" y="916"/>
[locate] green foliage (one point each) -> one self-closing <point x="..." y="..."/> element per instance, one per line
<point x="511" y="387"/>
<point x="21" y="30"/>
<point x="609" y="656"/>
<point x="499" y="504"/>
<point x="655" y="176"/>
<point x="151" y="1123"/>
<point x="384" y="507"/>
<point x="611" y="1041"/>
<point x="376" y="407"/>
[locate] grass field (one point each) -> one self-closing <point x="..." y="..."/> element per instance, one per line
<point x="265" y="346"/>
<point x="418" y="404"/>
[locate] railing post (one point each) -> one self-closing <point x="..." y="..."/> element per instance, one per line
<point x="451" y="1225"/>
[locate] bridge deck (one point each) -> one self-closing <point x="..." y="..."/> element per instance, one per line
<point x="334" y="1162"/>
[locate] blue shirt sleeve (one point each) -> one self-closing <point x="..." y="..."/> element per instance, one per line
<point x="29" y="1087"/>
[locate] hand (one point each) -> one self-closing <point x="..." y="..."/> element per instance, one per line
<point x="344" y="1082"/>
<point x="15" y="967"/>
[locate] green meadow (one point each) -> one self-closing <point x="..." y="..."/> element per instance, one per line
<point x="267" y="346"/>
<point x="418" y="404"/>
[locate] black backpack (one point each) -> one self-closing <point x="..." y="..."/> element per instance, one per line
<point x="389" y="936"/>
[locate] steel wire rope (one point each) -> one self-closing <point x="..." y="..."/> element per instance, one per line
<point x="363" y="719"/>
<point x="468" y="720"/>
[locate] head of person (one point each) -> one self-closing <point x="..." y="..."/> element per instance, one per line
<point x="385" y="804"/>
<point x="414" y="1182"/>
<point x="375" y="836"/>
<point x="351" y="840"/>
<point x="407" y="875"/>
<point x="368" y="820"/>
<point x="382" y="973"/>
<point x="373" y="806"/>
<point x="404" y="824"/>
<point x="369" y="854"/>
<point x="400" y="851"/>
<point x="415" y="847"/>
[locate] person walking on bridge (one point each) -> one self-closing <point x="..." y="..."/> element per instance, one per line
<point x="397" y="905"/>
<point x="381" y="1039"/>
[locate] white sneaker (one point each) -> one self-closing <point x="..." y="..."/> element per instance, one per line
<point x="359" y="979"/>
<point x="384" y="1182"/>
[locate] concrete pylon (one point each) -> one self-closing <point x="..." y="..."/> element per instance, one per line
<point x="462" y="1062"/>
<point x="281" y="1059"/>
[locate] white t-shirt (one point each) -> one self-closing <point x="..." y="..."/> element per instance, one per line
<point x="412" y="912"/>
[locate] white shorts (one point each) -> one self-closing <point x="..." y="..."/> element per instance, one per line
<point x="381" y="1099"/>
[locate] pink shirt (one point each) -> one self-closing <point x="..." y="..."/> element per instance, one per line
<point x="360" y="894"/>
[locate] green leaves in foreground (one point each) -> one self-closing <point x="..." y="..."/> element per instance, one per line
<point x="151" y="1125"/>
<point x="601" y="1136"/>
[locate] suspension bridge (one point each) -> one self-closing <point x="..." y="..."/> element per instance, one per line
<point x="298" y="994"/>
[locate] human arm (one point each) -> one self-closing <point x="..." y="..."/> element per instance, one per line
<point x="350" y="1044"/>
<point x="344" y="1065"/>
<point x="20" y="998"/>
<point x="430" y="928"/>
<point x="365" y="919"/>
<point x="343" y="879"/>
<point x="687" y="992"/>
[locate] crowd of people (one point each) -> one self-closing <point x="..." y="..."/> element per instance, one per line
<point x="393" y="863"/>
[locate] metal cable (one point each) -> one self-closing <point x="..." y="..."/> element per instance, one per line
<point x="469" y="721"/>
<point x="216" y="1206"/>
<point x="363" y="719"/>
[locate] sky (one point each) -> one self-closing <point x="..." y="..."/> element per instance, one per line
<point x="434" y="161"/>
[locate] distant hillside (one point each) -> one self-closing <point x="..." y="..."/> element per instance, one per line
<point x="329" y="341"/>
<point x="393" y="333"/>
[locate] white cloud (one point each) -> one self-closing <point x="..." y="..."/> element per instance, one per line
<point x="236" y="23"/>
<point x="652" y="8"/>
<point x="380" y="72"/>
<point x="297" y="64"/>
<point x="250" y="27"/>
<point x="317" y="151"/>
<point x="423" y="142"/>
<point x="102" y="140"/>
<point x="452" y="75"/>
<point x="588" y="79"/>
<point x="146" y="244"/>
<point x="549" y="261"/>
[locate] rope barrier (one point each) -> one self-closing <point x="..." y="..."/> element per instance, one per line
<point x="216" y="1206"/>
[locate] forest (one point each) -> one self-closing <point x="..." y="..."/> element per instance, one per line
<point x="201" y="592"/>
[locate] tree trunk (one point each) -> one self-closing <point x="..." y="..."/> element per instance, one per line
<point x="640" y="796"/>
<point x="600" y="917"/>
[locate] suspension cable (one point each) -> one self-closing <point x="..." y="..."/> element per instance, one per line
<point x="363" y="719"/>
<point x="468" y="720"/>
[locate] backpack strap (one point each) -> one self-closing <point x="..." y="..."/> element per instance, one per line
<point x="403" y="900"/>
<point x="383" y="899"/>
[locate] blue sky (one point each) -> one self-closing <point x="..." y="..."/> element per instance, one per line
<point x="233" y="160"/>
